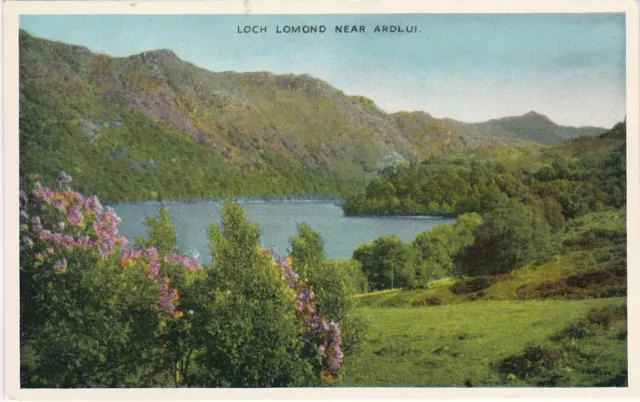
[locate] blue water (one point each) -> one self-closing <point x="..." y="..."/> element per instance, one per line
<point x="277" y="219"/>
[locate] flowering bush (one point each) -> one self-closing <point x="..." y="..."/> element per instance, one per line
<point x="83" y="224"/>
<point x="330" y="347"/>
<point x="250" y="321"/>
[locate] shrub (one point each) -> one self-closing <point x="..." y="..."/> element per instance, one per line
<point x="429" y="301"/>
<point x="605" y="316"/>
<point x="577" y="330"/>
<point x="535" y="360"/>
<point x="512" y="236"/>
<point x="595" y="238"/>
<point x="333" y="283"/>
<point x="83" y="289"/>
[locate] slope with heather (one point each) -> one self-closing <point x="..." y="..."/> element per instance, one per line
<point x="153" y="126"/>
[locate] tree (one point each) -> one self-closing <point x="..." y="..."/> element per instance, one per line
<point x="162" y="234"/>
<point x="334" y="284"/>
<point x="249" y="330"/>
<point x="437" y="247"/>
<point x="512" y="235"/>
<point x="388" y="263"/>
<point x="307" y="249"/>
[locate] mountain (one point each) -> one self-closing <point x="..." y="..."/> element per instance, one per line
<point x="154" y="126"/>
<point x="599" y="144"/>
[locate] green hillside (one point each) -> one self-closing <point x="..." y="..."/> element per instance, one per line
<point x="153" y="126"/>
<point x="580" y="174"/>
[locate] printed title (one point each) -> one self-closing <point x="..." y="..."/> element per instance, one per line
<point x="321" y="29"/>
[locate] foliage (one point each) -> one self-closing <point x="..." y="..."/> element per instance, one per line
<point x="437" y="247"/>
<point x="388" y="263"/>
<point x="573" y="271"/>
<point x="334" y="285"/>
<point x="575" y="356"/>
<point x="87" y="313"/>
<point x="512" y="236"/>
<point x="162" y="235"/>
<point x="560" y="187"/>
<point x="98" y="313"/>
<point x="307" y="250"/>
<point x="249" y="323"/>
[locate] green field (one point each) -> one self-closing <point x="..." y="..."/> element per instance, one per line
<point x="452" y="345"/>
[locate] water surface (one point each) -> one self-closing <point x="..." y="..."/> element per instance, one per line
<point x="278" y="219"/>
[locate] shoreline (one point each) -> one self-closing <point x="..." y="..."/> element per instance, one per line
<point x="250" y="199"/>
<point x="336" y="200"/>
<point x="404" y="215"/>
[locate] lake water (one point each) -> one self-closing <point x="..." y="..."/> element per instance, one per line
<point x="278" y="219"/>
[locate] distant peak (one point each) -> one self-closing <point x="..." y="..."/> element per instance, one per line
<point x="533" y="113"/>
<point x="158" y="54"/>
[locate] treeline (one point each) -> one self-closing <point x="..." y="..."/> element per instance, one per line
<point x="96" y="311"/>
<point x="562" y="189"/>
<point x="388" y="262"/>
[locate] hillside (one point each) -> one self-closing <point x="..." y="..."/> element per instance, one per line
<point x="580" y="147"/>
<point x="153" y="126"/>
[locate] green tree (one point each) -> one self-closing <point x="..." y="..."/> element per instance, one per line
<point x="307" y="249"/>
<point x="162" y="234"/>
<point x="512" y="235"/>
<point x="388" y="263"/>
<point x="250" y="334"/>
<point x="436" y="247"/>
<point x="334" y="284"/>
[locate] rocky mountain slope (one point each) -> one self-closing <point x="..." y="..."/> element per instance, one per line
<point x="154" y="126"/>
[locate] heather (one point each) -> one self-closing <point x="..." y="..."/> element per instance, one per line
<point x="100" y="311"/>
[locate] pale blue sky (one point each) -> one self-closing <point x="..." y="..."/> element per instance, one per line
<point x="467" y="67"/>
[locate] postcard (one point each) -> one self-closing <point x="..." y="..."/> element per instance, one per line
<point x="342" y="200"/>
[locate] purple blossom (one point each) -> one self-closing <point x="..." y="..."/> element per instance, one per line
<point x="331" y="345"/>
<point x="190" y="264"/>
<point x="75" y="215"/>
<point x="103" y="224"/>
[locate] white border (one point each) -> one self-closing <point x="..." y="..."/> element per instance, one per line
<point x="13" y="9"/>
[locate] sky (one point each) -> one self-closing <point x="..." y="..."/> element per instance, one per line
<point x="569" y="67"/>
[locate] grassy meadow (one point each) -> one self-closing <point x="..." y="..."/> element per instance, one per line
<point x="458" y="345"/>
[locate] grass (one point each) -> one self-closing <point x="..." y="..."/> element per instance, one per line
<point x="461" y="344"/>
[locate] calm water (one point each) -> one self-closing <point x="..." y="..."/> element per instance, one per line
<point x="278" y="221"/>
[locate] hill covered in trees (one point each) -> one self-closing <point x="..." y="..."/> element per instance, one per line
<point x="152" y="126"/>
<point x="565" y="181"/>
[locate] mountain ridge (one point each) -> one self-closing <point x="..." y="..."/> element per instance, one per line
<point x="284" y="133"/>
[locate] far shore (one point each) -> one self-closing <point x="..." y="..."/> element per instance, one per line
<point x="337" y="200"/>
<point x="288" y="198"/>
<point x="405" y="215"/>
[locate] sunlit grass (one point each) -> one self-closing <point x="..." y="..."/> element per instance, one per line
<point x="456" y="344"/>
